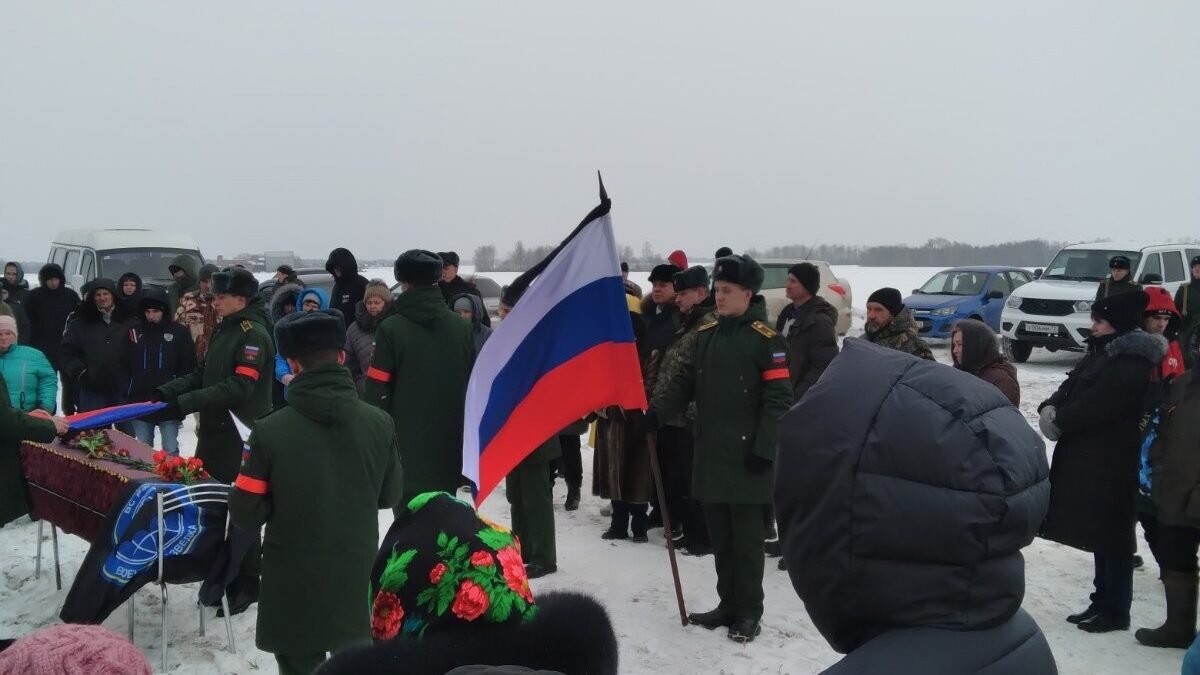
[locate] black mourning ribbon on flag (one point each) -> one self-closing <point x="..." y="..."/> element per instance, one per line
<point x="514" y="291"/>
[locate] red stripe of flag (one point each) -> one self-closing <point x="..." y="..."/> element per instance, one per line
<point x="775" y="374"/>
<point x="614" y="379"/>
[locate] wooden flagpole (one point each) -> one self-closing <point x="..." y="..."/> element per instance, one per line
<point x="651" y="446"/>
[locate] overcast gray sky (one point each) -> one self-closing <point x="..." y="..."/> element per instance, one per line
<point x="383" y="126"/>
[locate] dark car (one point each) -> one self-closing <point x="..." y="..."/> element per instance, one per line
<point x="964" y="293"/>
<point x="310" y="277"/>
<point x="488" y="288"/>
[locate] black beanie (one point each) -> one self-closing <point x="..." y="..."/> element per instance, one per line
<point x="449" y="258"/>
<point x="808" y="275"/>
<point x="692" y="277"/>
<point x="889" y="298"/>
<point x="234" y="281"/>
<point x="723" y="252"/>
<point x="1123" y="310"/>
<point x="741" y="270"/>
<point x="418" y="267"/>
<point x="302" y="333"/>
<point x="664" y="273"/>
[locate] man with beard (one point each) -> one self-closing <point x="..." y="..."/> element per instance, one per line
<point x="738" y="377"/>
<point x="890" y="324"/>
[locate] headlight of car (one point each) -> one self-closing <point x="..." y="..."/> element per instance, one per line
<point x="945" y="311"/>
<point x="1083" y="306"/>
<point x="1013" y="301"/>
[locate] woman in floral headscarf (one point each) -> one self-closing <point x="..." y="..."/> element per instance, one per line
<point x="450" y="590"/>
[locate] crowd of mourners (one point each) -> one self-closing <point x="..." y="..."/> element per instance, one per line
<point x="772" y="438"/>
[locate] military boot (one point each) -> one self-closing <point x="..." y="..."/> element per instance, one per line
<point x="717" y="618"/>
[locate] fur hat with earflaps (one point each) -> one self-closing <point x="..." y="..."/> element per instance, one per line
<point x="234" y="281"/>
<point x="303" y="333"/>
<point x="418" y="267"/>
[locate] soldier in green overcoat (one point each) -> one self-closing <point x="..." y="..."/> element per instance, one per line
<point x="418" y="374"/>
<point x="16" y="426"/>
<point x="738" y="378"/>
<point x="316" y="473"/>
<point x="233" y="381"/>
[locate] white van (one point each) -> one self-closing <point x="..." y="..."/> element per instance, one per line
<point x="1054" y="311"/>
<point x="87" y="254"/>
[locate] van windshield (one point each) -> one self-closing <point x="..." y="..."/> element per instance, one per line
<point x="1085" y="264"/>
<point x="148" y="263"/>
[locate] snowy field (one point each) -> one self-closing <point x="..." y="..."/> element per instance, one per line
<point x="634" y="582"/>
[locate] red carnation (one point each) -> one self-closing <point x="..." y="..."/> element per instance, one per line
<point x="194" y="463"/>
<point x="386" y="615"/>
<point x="514" y="572"/>
<point x="482" y="559"/>
<point x="470" y="602"/>
<point x="159" y="456"/>
<point x="435" y="574"/>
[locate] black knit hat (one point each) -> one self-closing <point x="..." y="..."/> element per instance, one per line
<point x="441" y="566"/>
<point x="418" y="267"/>
<point x="741" y="270"/>
<point x="302" y="333"/>
<point x="449" y="258"/>
<point x="207" y="271"/>
<point x="890" y="299"/>
<point x="1119" y="262"/>
<point x="723" y="252"/>
<point x="1123" y="310"/>
<point x="808" y="275"/>
<point x="234" y="281"/>
<point x="286" y="270"/>
<point x="692" y="277"/>
<point x="663" y="273"/>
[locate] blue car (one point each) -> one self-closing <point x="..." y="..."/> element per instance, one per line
<point x="964" y="293"/>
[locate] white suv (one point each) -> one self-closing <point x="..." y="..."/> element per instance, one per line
<point x="1054" y="312"/>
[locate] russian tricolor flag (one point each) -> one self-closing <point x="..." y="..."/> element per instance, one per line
<point x="565" y="350"/>
<point x="102" y="417"/>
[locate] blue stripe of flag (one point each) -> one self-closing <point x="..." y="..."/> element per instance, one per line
<point x="592" y="315"/>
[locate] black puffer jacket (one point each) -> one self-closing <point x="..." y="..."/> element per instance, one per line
<point x="905" y="491"/>
<point x="350" y="287"/>
<point x="93" y="349"/>
<point x="156" y="353"/>
<point x="16" y="296"/>
<point x="48" y="311"/>
<point x="810" y="331"/>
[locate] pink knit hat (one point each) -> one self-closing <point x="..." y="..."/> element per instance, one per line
<point x="8" y="323"/>
<point x="73" y="649"/>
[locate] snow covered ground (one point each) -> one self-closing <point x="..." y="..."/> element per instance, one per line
<point x="634" y="582"/>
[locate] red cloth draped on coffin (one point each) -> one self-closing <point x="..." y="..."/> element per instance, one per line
<point x="73" y="491"/>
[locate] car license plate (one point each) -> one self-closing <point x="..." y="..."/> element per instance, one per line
<point x="1043" y="328"/>
<point x="923" y="324"/>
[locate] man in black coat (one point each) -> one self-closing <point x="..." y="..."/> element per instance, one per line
<point x="14" y="291"/>
<point x="349" y="286"/>
<point x="453" y="285"/>
<point x="1096" y="417"/>
<point x="48" y="307"/>
<point x="93" y="347"/>
<point x="158" y="351"/>
<point x="808" y="325"/>
<point x="906" y="491"/>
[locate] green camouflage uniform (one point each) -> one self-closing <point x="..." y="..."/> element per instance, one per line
<point x="901" y="335"/>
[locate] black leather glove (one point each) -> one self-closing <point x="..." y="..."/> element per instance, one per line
<point x="756" y="464"/>
<point x="650" y="422"/>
